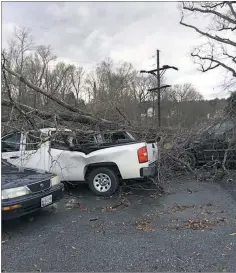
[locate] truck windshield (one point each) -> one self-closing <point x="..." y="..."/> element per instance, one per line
<point x="131" y="137"/>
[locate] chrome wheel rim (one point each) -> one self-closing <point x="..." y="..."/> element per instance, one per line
<point x="102" y="182"/>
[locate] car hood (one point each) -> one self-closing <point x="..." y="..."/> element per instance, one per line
<point x="13" y="177"/>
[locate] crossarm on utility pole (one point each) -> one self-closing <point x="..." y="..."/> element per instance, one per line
<point x="155" y="90"/>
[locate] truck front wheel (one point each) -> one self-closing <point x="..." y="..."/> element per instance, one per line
<point x="103" y="181"/>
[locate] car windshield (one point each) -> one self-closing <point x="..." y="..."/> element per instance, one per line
<point x="220" y="128"/>
<point x="223" y="127"/>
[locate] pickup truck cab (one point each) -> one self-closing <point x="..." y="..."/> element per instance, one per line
<point x="102" y="164"/>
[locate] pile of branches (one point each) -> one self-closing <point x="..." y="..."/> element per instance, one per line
<point x="172" y="141"/>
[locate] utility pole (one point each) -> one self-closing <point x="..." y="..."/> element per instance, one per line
<point x="159" y="87"/>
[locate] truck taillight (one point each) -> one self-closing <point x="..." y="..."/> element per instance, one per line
<point x="142" y="154"/>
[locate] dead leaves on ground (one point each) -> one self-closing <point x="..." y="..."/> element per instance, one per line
<point x="182" y="207"/>
<point x="74" y="203"/>
<point x="81" y="207"/>
<point x="196" y="223"/>
<point x="124" y="201"/>
<point x="111" y="208"/>
<point x="189" y="224"/>
<point x="144" y="226"/>
<point x="202" y="224"/>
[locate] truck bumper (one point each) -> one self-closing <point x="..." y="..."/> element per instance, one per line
<point x="150" y="171"/>
<point x="30" y="203"/>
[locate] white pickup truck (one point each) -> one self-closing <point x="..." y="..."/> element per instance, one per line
<point x="101" y="164"/>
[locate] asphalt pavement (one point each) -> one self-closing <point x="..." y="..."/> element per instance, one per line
<point x="192" y="227"/>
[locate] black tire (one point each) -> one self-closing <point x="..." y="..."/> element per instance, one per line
<point x="110" y="177"/>
<point x="189" y="158"/>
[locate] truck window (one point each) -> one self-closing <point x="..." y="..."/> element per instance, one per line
<point x="61" y="141"/>
<point x="107" y="137"/>
<point x="99" y="139"/>
<point x="119" y="137"/>
<point x="32" y="141"/>
<point x="11" y="142"/>
<point x="131" y="136"/>
<point x="116" y="137"/>
<point x="82" y="140"/>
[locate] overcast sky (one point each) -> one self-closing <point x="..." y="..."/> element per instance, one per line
<point x="88" y="32"/>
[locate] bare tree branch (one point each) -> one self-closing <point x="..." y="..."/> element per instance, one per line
<point x="210" y="11"/>
<point x="219" y="51"/>
<point x="216" y="37"/>
<point x="230" y="4"/>
<point x="218" y="63"/>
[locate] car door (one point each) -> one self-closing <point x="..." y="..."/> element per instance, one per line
<point x="12" y="148"/>
<point x="226" y="134"/>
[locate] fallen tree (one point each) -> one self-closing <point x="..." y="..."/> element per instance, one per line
<point x="82" y="118"/>
<point x="171" y="140"/>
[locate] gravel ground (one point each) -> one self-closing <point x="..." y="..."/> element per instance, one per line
<point x="144" y="232"/>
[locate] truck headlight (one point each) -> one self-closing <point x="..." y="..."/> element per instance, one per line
<point x="15" y="192"/>
<point x="55" y="181"/>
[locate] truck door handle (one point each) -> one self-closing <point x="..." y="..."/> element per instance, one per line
<point x="14" y="157"/>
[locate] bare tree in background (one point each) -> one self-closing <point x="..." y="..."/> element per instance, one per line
<point x="114" y="91"/>
<point x="24" y="43"/>
<point x="77" y="78"/>
<point x="109" y="86"/>
<point x="140" y="86"/>
<point x="183" y="92"/>
<point x="219" y="50"/>
<point x="17" y="54"/>
<point x="44" y="55"/>
<point x="36" y="70"/>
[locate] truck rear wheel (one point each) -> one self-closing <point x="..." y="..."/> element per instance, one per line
<point x="103" y="181"/>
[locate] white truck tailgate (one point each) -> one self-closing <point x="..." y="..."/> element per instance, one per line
<point x="152" y="152"/>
